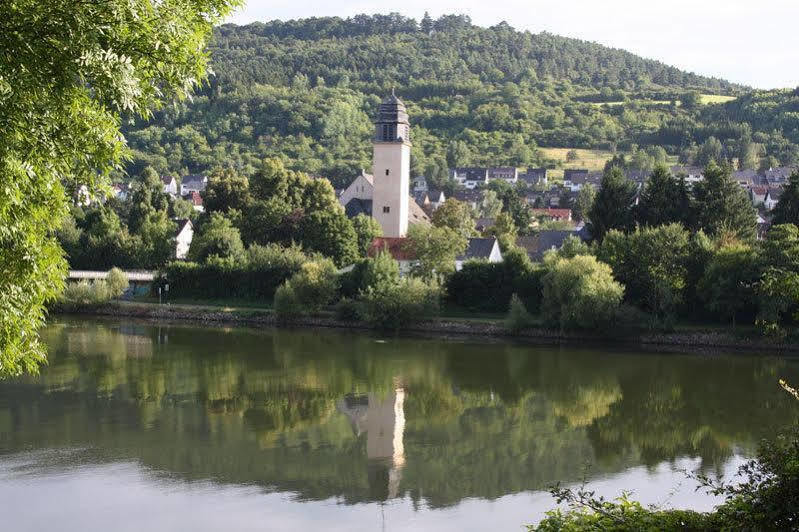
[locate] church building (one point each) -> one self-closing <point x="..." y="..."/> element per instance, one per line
<point x="385" y="195"/>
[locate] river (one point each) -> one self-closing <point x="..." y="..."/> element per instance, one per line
<point x="134" y="426"/>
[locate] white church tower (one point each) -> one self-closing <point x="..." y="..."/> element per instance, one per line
<point x="392" y="167"/>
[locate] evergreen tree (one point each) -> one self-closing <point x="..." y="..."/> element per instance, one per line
<point x="721" y="205"/>
<point x="664" y="200"/>
<point x="787" y="209"/>
<point x="613" y="207"/>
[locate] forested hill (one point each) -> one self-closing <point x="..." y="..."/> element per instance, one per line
<point x="306" y="90"/>
<point x="376" y="52"/>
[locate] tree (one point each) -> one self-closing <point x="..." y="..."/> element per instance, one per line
<point x="613" y="207"/>
<point x="710" y="151"/>
<point x="366" y="230"/>
<point x="572" y="156"/>
<point x="651" y="263"/>
<point x="580" y="293"/>
<point x="456" y="215"/>
<point x="722" y="205"/>
<point x="779" y="286"/>
<point x="435" y="249"/>
<point x="68" y="71"/>
<point x="728" y="285"/>
<point x="504" y="230"/>
<point x="787" y="209"/>
<point x="691" y="99"/>
<point x="226" y="190"/>
<point x="664" y="200"/>
<point x="583" y="202"/>
<point x="216" y="238"/>
<point x="427" y="23"/>
<point x="491" y="206"/>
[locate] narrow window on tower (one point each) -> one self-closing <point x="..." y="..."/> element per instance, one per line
<point x="386" y="132"/>
<point x="386" y="208"/>
<point x="386" y="171"/>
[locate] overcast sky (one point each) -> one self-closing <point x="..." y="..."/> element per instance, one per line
<point x="755" y="42"/>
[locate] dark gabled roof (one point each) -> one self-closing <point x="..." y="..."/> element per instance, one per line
<point x="167" y="179"/>
<point x="571" y="173"/>
<point x="472" y="172"/>
<point x="435" y="193"/>
<point x="538" y="244"/>
<point x="420" y="197"/>
<point x="195" y="178"/>
<point x="358" y="206"/>
<point x="479" y="248"/>
<point x="467" y="195"/>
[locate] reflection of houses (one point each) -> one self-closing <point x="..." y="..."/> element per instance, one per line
<point x="383" y="421"/>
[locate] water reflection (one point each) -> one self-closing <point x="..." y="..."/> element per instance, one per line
<point x="337" y="415"/>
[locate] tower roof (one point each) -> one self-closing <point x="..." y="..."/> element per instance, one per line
<point x="392" y="111"/>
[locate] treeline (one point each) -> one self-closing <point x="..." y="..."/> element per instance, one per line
<point x="306" y="91"/>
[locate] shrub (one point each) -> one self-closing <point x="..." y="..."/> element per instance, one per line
<point x="316" y="284"/>
<point x="397" y="306"/>
<point x="117" y="282"/>
<point x="287" y="304"/>
<point x="309" y="290"/>
<point x="265" y="268"/>
<point x="580" y="293"/>
<point x="488" y="287"/>
<point x="518" y="318"/>
<point x="349" y="310"/>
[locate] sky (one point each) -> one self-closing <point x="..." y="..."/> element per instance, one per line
<point x="753" y="42"/>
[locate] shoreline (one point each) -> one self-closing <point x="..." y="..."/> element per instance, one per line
<point x="685" y="341"/>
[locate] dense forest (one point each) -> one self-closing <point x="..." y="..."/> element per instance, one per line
<point x="305" y="91"/>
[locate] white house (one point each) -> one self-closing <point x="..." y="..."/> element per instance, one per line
<point x="772" y="197"/>
<point x="170" y="185"/>
<point x="480" y="249"/>
<point x="470" y="177"/>
<point x="183" y="237"/>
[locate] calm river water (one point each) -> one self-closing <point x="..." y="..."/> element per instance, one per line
<point x="138" y="427"/>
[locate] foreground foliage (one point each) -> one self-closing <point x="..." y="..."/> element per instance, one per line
<point x="68" y="70"/>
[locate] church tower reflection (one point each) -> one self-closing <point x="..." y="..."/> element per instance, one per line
<point x="382" y="417"/>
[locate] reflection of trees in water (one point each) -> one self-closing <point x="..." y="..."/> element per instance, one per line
<point x="479" y="420"/>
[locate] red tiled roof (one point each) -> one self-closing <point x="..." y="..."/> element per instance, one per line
<point x="195" y="198"/>
<point x="564" y="214"/>
<point x="398" y="248"/>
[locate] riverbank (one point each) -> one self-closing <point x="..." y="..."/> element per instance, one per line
<point x="692" y="339"/>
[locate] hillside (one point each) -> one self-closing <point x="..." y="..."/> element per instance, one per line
<point x="305" y="90"/>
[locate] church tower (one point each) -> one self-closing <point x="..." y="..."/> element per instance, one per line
<point x="392" y="167"/>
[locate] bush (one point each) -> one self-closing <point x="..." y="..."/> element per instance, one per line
<point x="117" y="282"/>
<point x="96" y="292"/>
<point x="397" y="306"/>
<point x="349" y="310"/>
<point x="518" y="318"/>
<point x="287" y="304"/>
<point x="257" y="277"/>
<point x="580" y="293"/>
<point x="308" y="291"/>
<point x="488" y="287"/>
<point x="316" y="284"/>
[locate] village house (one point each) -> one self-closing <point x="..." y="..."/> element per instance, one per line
<point x="471" y="197"/>
<point x="509" y="174"/>
<point x="556" y="215"/>
<point x="469" y="177"/>
<point x="486" y="249"/>
<point x="537" y="244"/>
<point x="772" y="197"/>
<point x="758" y="194"/>
<point x="420" y="184"/>
<point x="196" y="200"/>
<point x="574" y="178"/>
<point x="778" y="176"/>
<point x="120" y="191"/>
<point x="193" y="183"/>
<point x="534" y="176"/>
<point x="184" y="233"/>
<point x="170" y="185"/>
<point x="692" y="174"/>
